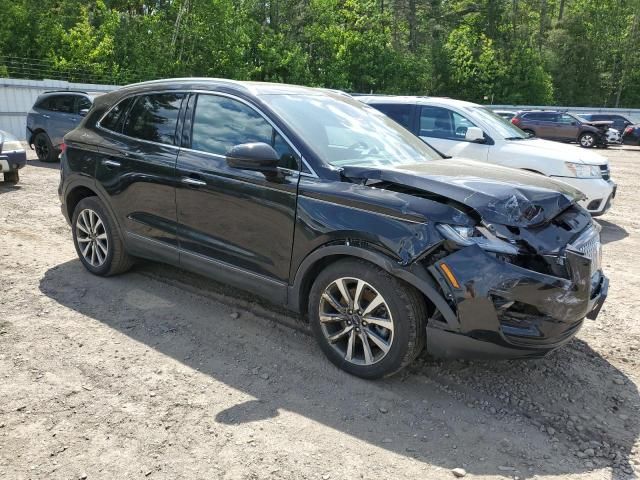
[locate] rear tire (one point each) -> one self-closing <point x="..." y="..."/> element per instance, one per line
<point x="12" y="178"/>
<point x="44" y="148"/>
<point x="98" y="240"/>
<point x="394" y="330"/>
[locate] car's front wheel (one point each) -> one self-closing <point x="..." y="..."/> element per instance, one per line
<point x="366" y="321"/>
<point x="97" y="239"/>
<point x="587" y="140"/>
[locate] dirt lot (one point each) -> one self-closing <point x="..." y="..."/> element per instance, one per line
<point x="161" y="374"/>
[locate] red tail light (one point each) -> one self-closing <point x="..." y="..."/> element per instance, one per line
<point x="63" y="147"/>
<point x="628" y="130"/>
<point x="515" y="121"/>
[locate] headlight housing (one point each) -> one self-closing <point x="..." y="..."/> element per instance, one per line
<point x="580" y="170"/>
<point x="467" y="236"/>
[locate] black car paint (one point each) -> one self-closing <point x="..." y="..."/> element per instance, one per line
<point x="631" y="135"/>
<point x="274" y="233"/>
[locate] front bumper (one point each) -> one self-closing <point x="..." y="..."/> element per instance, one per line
<point x="506" y="311"/>
<point x="598" y="191"/>
<point x="12" y="160"/>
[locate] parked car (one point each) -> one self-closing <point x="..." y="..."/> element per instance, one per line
<point x="12" y="157"/>
<point x="463" y="129"/>
<point x="631" y="135"/>
<point x="562" y="126"/>
<point x="315" y="201"/>
<point x="506" y="114"/>
<point x="52" y="116"/>
<point x="619" y="122"/>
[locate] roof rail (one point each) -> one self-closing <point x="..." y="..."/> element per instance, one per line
<point x="62" y="90"/>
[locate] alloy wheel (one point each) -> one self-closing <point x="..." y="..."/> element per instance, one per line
<point x="92" y="238"/>
<point x="587" y="140"/>
<point x="356" y="321"/>
<point x="42" y="149"/>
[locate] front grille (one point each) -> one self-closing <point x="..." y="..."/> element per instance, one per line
<point x="604" y="171"/>
<point x="588" y="244"/>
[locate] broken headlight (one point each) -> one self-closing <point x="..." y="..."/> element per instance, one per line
<point x="467" y="236"/>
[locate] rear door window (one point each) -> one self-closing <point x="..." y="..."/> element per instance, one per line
<point x="59" y="103"/>
<point x="399" y="113"/>
<point x="221" y="123"/>
<point x="154" y="118"/>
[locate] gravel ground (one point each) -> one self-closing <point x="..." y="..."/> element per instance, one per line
<point x="161" y="374"/>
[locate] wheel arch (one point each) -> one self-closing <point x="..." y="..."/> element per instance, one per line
<point x="75" y="195"/>
<point x="316" y="261"/>
<point x="34" y="133"/>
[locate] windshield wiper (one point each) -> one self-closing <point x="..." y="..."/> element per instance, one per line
<point x="518" y="138"/>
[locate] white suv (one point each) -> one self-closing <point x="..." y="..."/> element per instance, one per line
<point x="463" y="129"/>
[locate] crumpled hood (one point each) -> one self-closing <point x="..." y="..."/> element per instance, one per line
<point x="499" y="195"/>
<point x="561" y="151"/>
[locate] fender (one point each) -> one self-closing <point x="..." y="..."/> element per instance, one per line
<point x="414" y="275"/>
<point x="90" y="183"/>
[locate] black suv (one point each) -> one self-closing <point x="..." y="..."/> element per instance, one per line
<point x="318" y="202"/>
<point x="562" y="126"/>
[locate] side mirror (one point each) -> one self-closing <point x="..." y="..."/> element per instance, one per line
<point x="257" y="156"/>
<point x="474" y="134"/>
<point x="83" y="112"/>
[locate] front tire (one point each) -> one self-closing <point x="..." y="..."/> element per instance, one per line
<point x="97" y="239"/>
<point x="12" y="178"/>
<point x="587" y="140"/>
<point x="366" y="321"/>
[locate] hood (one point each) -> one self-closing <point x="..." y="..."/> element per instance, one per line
<point x="599" y="123"/>
<point x="561" y="151"/>
<point x="498" y="195"/>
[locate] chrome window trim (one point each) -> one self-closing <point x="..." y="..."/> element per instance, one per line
<point x="208" y="92"/>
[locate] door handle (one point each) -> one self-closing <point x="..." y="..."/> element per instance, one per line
<point x="193" y="181"/>
<point x="110" y="163"/>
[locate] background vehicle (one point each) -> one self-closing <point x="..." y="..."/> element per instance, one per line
<point x="619" y="122"/>
<point x="562" y="126"/>
<point x="315" y="201"/>
<point x="463" y="129"/>
<point x="506" y="114"/>
<point x="52" y="116"/>
<point x="631" y="135"/>
<point x="12" y="157"/>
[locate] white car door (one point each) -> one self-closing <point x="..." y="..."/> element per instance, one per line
<point x="445" y="130"/>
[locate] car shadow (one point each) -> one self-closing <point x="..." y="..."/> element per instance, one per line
<point x="443" y="413"/>
<point x="611" y="232"/>
<point x="8" y="187"/>
<point x="39" y="164"/>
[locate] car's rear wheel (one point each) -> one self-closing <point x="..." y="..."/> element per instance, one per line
<point x="587" y="140"/>
<point x="366" y="321"/>
<point x="44" y="148"/>
<point x="12" y="177"/>
<point x="97" y="239"/>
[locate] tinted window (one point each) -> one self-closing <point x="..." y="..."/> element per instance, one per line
<point x="154" y="117"/>
<point x="83" y="104"/>
<point x="438" y="122"/>
<point x="221" y="123"/>
<point x="400" y="113"/>
<point x="59" y="103"/>
<point x="566" y="119"/>
<point x="545" y="117"/>
<point x="113" y="120"/>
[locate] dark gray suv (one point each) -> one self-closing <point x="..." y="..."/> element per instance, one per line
<point x="52" y="116"/>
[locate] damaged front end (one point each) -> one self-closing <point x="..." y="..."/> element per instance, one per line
<point x="519" y="288"/>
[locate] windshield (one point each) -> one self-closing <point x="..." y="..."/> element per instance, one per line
<point x="503" y="127"/>
<point x="342" y="131"/>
